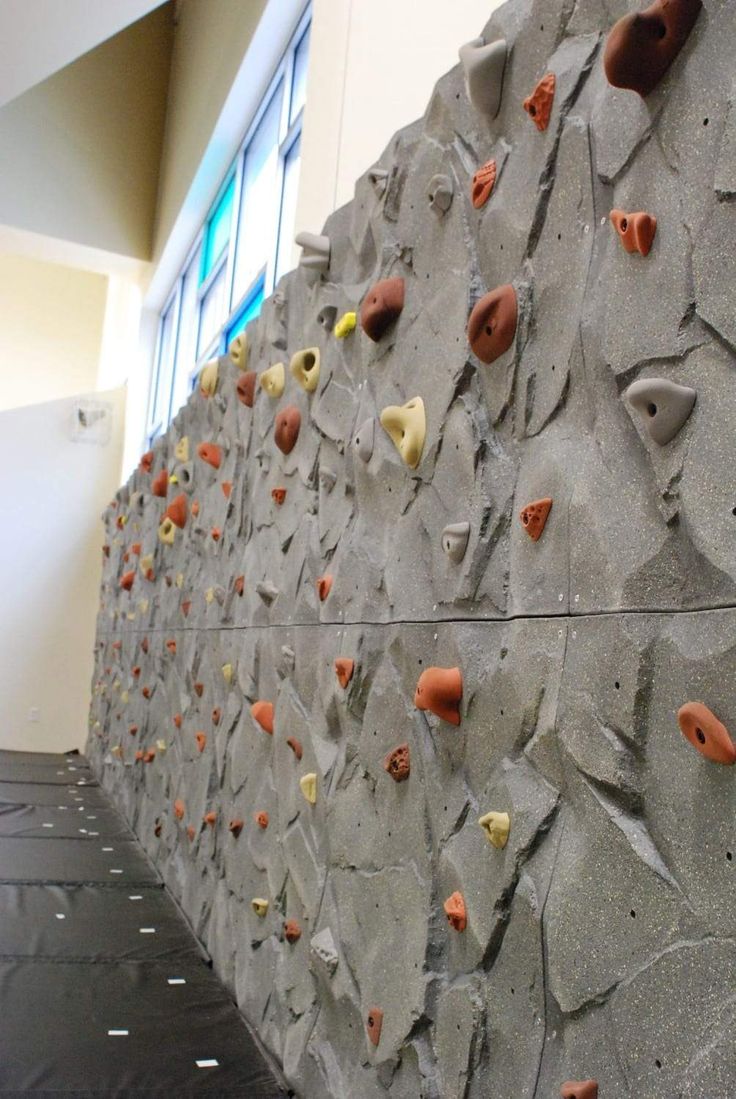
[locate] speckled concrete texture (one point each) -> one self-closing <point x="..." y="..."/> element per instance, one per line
<point x="601" y="940"/>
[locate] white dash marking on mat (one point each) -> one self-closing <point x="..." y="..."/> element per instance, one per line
<point x="147" y="930"/>
<point x="176" y="981"/>
<point x="209" y="1063"/>
<point x="116" y="871"/>
<point x="47" y="826"/>
<point x="118" y="1033"/>
<point x="136" y="897"/>
<point x="60" y="916"/>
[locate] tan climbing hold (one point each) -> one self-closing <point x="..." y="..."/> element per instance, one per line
<point x="534" y="516"/>
<point x="208" y="378"/>
<point x="406" y="426"/>
<point x="238" y="351"/>
<point x="496" y="827"/>
<point x="308" y="786"/>
<point x="273" y="380"/>
<point x="304" y="366"/>
<point x="259" y="906"/>
<point x="227" y="673"/>
<point x="181" y="450"/>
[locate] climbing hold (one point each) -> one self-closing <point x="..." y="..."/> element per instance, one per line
<point x="641" y="47"/>
<point x="139" y="756"/>
<point x="201" y="739"/>
<point x="295" y="746"/>
<point x="326" y="317"/>
<point x="482" y="184"/>
<point x="215" y="535"/>
<point x="146" y="462"/>
<point x="273" y="380"/>
<point x="483" y="64"/>
<point x="216" y="715"/>
<point x="198" y="689"/>
<point x="210" y="818"/>
<point x="238" y="351"/>
<point x="324" y="586"/>
<point x="149" y="756"/>
<point x="344" y="668"/>
<point x="439" y="192"/>
<point x="195" y="508"/>
<point x="398" y="764"/>
<point x="181" y="450"/>
<point x="132" y="729"/>
<point x="440" y="690"/>
<point x="236" y="826"/>
<point x="308" y="786"/>
<point x="161" y="745"/>
<point x="455" y="911"/>
<point x="191" y="833"/>
<point x="534" y="517"/>
<point x="146" y="566"/>
<point x="179" y="809"/>
<point x="259" y="906"/>
<point x="286" y="428"/>
<point x="492" y="323"/>
<point x="278" y="495"/>
<point x="136" y="549"/>
<point x="177" y="511"/>
<point x="706" y="733"/>
<point x="373" y="1024"/>
<point x="171" y="646"/>
<point x="455" y="540"/>
<point x="407" y="427"/>
<point x="262" y="712"/>
<point x="144" y="644"/>
<point x="579" y="1089"/>
<point x="379" y="180"/>
<point x="208" y="378"/>
<point x="304" y="366"/>
<point x="292" y="931"/>
<point x="381" y="307"/>
<point x="327" y="478"/>
<point x="346" y="325"/>
<point x="227" y="488"/>
<point x="315" y="257"/>
<point x="636" y="230"/>
<point x="239" y="584"/>
<point x="261" y="818"/>
<point x="178" y="720"/>
<point x="364" y="440"/>
<point x="323" y="947"/>
<point x="210" y="453"/>
<point x="665" y="404"/>
<point x="246" y="388"/>
<point x="496" y="827"/>
<point x="126" y="580"/>
<point x="227" y="673"/>
<point x="267" y="591"/>
<point x="538" y="105"/>
<point x="209" y="596"/>
<point x="160" y="483"/>
<point x="117" y="751"/>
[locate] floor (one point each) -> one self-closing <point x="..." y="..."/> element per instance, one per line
<point x="104" y="989"/>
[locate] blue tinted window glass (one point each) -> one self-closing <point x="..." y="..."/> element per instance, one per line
<point x="217" y="233"/>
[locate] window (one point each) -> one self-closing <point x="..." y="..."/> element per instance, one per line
<point x="244" y="246"/>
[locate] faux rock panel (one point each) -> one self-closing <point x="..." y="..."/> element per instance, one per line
<point x="599" y="939"/>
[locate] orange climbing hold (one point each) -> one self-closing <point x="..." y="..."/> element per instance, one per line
<point x="246" y="387"/>
<point x="171" y="646"/>
<point x="292" y="931"/>
<point x="635" y="230"/>
<point x="146" y="462"/>
<point x="133" y="729"/>
<point x="373" y="1024"/>
<point x="177" y="511"/>
<point x="227" y="488"/>
<point x="160" y="483"/>
<point x="210" y="818"/>
<point x="440" y="690"/>
<point x="178" y="720"/>
<point x="262" y="712"/>
<point x="483" y="183"/>
<point x="261" y="818"/>
<point x="126" y="580"/>
<point x="199" y="689"/>
<point x="278" y="495"/>
<point x="538" y="105"/>
<point x="295" y="746"/>
<point x="344" y="668"/>
<point x="201" y="739"/>
<point x="236" y="826"/>
<point x="455" y="911"/>
<point x="324" y="585"/>
<point x="179" y="809"/>
<point x="239" y="584"/>
<point x="398" y="763"/>
<point x="191" y="833"/>
<point x="579" y="1089"/>
<point x="215" y="534"/>
<point x="210" y="453"/>
<point x="534" y="517"/>
<point x="706" y="733"/>
<point x="216" y="715"/>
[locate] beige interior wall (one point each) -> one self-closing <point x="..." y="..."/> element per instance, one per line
<point x="52" y="491"/>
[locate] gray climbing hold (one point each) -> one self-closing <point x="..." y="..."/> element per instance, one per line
<point x="326" y="317"/>
<point x="185" y="476"/>
<point x="327" y="478"/>
<point x="324" y="950"/>
<point x="665" y="405"/>
<point x="315" y="248"/>
<point x="455" y="540"/>
<point x="220" y="595"/>
<point x="288" y="659"/>
<point x="379" y="180"/>
<point x="483" y="65"/>
<point x="267" y="591"/>
<point x="364" y="440"/>
<point x="440" y="193"/>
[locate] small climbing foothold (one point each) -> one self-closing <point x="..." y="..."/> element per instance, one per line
<point x="641" y="47"/>
<point x="327" y="478"/>
<point x="181" y="450"/>
<point x="315" y="257"/>
<point x="238" y="351"/>
<point x="198" y="689"/>
<point x="406" y="425"/>
<point x="146" y="462"/>
<point x="216" y="715"/>
<point x="208" y="378"/>
<point x="160" y="483"/>
<point x="292" y="931"/>
<point x="295" y="746"/>
<point x="179" y="809"/>
<point x="286" y="428"/>
<point x="492" y="323"/>
<point x="324" y="586"/>
<point x="344" y="668"/>
<point x="246" y="388"/>
<point x="538" y="105"/>
<point x="665" y="404"/>
<point x="381" y="306"/>
<point x="171" y="646"/>
<point x="706" y="733"/>
<point x="191" y="833"/>
<point x="483" y="64"/>
<point x="273" y="380"/>
<point x="579" y="1089"/>
<point x="496" y="827"/>
<point x="326" y="317"/>
<point x="373" y="1025"/>
<point x="239" y="585"/>
<point x="455" y="911"/>
<point x="215" y="535"/>
<point x="440" y="690"/>
<point x="259" y="906"/>
<point x="227" y="488"/>
<point x="308" y="786"/>
<point x="364" y="440"/>
<point x="227" y="673"/>
<point x="178" y="719"/>
<point x="482" y="184"/>
<point x="440" y="190"/>
<point x="304" y="366"/>
<point x="636" y="230"/>
<point x="211" y="454"/>
<point x="201" y="739"/>
<point x="455" y="540"/>
<point x="126" y="580"/>
<point x="345" y="325"/>
<point x="262" y="712"/>
<point x="278" y="495"/>
<point x="210" y="818"/>
<point x="398" y="763"/>
<point x="236" y="826"/>
<point x="261" y="818"/>
<point x="534" y="516"/>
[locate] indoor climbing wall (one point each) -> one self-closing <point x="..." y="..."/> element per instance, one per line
<point x="416" y="642"/>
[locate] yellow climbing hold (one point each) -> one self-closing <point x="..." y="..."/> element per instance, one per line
<point x="208" y="378"/>
<point x="239" y="351"/>
<point x="345" y="325"/>
<point x="124" y="697"/>
<point x="407" y="426"/>
<point x="167" y="532"/>
<point x="161" y="745"/>
<point x="179" y="580"/>
<point x="146" y="563"/>
<point x="304" y="366"/>
<point x="209" y="595"/>
<point x="273" y="380"/>
<point x="227" y="673"/>
<point x="496" y="827"/>
<point x="143" y="606"/>
<point x="308" y="785"/>
<point x="181" y="450"/>
<point x="259" y="906"/>
<point x="173" y="479"/>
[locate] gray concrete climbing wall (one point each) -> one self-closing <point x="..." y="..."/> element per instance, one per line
<point x="599" y="943"/>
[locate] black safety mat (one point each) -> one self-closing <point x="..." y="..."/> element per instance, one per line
<point x="64" y="775"/>
<point x="70" y="821"/>
<point x="42" y="758"/>
<point x="57" y="1017"/>
<point x="88" y="923"/>
<point x="112" y="862"/>
<point x="42" y="793"/>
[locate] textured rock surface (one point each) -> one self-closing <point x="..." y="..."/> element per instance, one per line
<point x="600" y="940"/>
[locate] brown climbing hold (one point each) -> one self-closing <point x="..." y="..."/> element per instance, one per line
<point x="324" y="584"/>
<point x="227" y="488"/>
<point x="236" y="826"/>
<point x="144" y="645"/>
<point x="440" y="690"/>
<point x="133" y="729"/>
<point x="199" y="689"/>
<point x="292" y="931"/>
<point x="211" y="454"/>
<point x="579" y="1089"/>
<point x="149" y="756"/>
<point x="126" y="580"/>
<point x="160" y="483"/>
<point x="635" y="230"/>
<point x="534" y="516"/>
<point x="146" y="692"/>
<point x="381" y="306"/>
<point x="538" y="105"/>
<point x="146" y="462"/>
<point x="201" y="739"/>
<point x="136" y="671"/>
<point x="455" y="911"/>
<point x="215" y="534"/>
<point x="706" y="733"/>
<point x="106" y="551"/>
<point x="178" y="720"/>
<point x="246" y="387"/>
<point x="278" y="495"/>
<point x="373" y="1024"/>
<point x="210" y="818"/>
<point x="171" y="646"/>
<point x="286" y="428"/>
<point x="157" y="829"/>
<point x="261" y="818"/>
<point x="177" y="511"/>
<point x="186" y="606"/>
<point x="262" y="712"/>
<point x="191" y="833"/>
<point x="136" y="549"/>
<point x="239" y="584"/>
<point x="216" y="715"/>
<point x="344" y="668"/>
<point x="641" y="47"/>
<point x="295" y="746"/>
<point x="139" y="756"/>
<point x="483" y="183"/>
<point x="492" y="323"/>
<point x="397" y="763"/>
